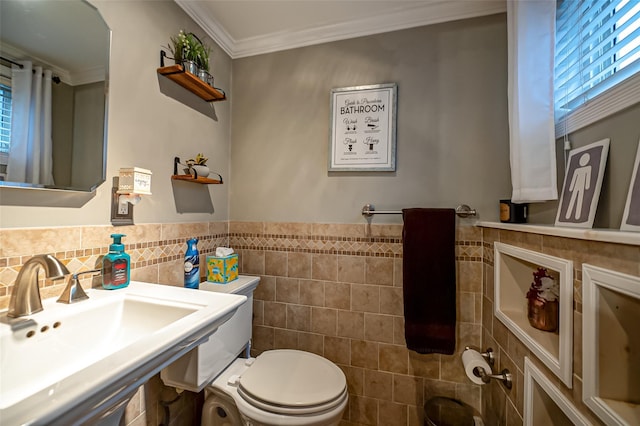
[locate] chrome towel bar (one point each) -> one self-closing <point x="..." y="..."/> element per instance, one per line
<point x="462" y="210"/>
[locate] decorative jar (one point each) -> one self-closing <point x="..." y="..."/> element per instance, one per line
<point x="190" y="66"/>
<point x="203" y="75"/>
<point x="200" y="170"/>
<point x="543" y="314"/>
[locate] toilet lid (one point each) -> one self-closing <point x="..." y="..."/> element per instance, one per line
<point x="292" y="379"/>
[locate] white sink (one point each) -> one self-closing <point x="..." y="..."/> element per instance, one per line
<point x="71" y="364"/>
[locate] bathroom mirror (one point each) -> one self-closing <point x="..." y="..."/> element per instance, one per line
<point x="71" y="39"/>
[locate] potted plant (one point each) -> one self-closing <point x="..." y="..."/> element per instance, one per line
<point x="188" y="50"/>
<point x="202" y="61"/>
<point x="203" y="64"/>
<point x="198" y="166"/>
<point x="542" y="299"/>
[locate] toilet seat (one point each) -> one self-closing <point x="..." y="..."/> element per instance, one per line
<point x="292" y="382"/>
<point x="288" y="388"/>
<point x="295" y="411"/>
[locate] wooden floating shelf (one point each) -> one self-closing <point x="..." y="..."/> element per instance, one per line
<point x="192" y="83"/>
<point x="200" y="180"/>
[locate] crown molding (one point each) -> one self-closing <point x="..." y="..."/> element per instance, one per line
<point x="17" y="54"/>
<point x="427" y="13"/>
<point x="209" y="24"/>
<point x="71" y="78"/>
<point x="88" y="76"/>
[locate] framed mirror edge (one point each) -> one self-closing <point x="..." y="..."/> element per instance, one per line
<point x="13" y="188"/>
<point x="30" y="196"/>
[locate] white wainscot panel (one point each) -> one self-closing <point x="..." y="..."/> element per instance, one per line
<point x="611" y="345"/>
<point x="513" y="269"/>
<point x="544" y="404"/>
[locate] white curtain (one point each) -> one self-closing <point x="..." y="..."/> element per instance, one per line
<point x="531" y="39"/>
<point x="30" y="151"/>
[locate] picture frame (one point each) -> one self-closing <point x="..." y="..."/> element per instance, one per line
<point x="582" y="183"/>
<point x="363" y="128"/>
<point x="631" y="215"/>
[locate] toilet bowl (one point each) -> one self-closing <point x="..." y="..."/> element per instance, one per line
<point x="219" y="409"/>
<point x="278" y="387"/>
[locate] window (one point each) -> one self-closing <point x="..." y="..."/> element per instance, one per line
<point x="5" y="118"/>
<point x="5" y="128"/>
<point x="597" y="52"/>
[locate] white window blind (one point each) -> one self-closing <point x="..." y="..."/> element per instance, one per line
<point x="5" y="118"/>
<point x="597" y="48"/>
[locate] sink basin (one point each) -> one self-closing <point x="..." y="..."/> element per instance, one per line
<point x="71" y="364"/>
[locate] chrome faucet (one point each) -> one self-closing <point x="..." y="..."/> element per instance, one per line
<point x="25" y="298"/>
<point x="74" y="292"/>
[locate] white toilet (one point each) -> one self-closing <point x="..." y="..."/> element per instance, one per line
<point x="279" y="387"/>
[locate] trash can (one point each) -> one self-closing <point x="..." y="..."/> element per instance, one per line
<point x="442" y="411"/>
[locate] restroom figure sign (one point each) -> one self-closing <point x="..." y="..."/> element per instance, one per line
<point x="582" y="183"/>
<point x="631" y="215"/>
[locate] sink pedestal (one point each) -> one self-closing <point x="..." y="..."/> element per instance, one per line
<point x="113" y="415"/>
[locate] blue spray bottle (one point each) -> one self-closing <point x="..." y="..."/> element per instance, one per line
<point x="192" y="265"/>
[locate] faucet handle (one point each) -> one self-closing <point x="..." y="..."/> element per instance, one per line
<point x="74" y="292"/>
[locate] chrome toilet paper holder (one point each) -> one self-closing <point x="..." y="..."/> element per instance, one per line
<point x="505" y="375"/>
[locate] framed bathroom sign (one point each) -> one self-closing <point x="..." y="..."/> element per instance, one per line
<point x="363" y="128"/>
<point x="582" y="184"/>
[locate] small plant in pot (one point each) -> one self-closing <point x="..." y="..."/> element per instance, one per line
<point x="202" y="61"/>
<point x="188" y="50"/>
<point x="543" y="312"/>
<point x="198" y="166"/>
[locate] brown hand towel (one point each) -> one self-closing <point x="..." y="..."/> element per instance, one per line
<point x="429" y="280"/>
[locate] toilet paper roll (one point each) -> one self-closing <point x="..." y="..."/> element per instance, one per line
<point x="472" y="359"/>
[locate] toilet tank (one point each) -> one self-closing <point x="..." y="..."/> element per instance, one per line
<point x="201" y="365"/>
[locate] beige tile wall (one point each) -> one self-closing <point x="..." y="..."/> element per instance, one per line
<point x="156" y="252"/>
<point x="505" y="407"/>
<point x="336" y="290"/>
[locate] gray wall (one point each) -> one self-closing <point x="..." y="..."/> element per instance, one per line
<point x="452" y="127"/>
<point x="88" y="134"/>
<point x="62" y="132"/>
<point x="623" y="130"/>
<point x="78" y="133"/>
<point x="452" y="131"/>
